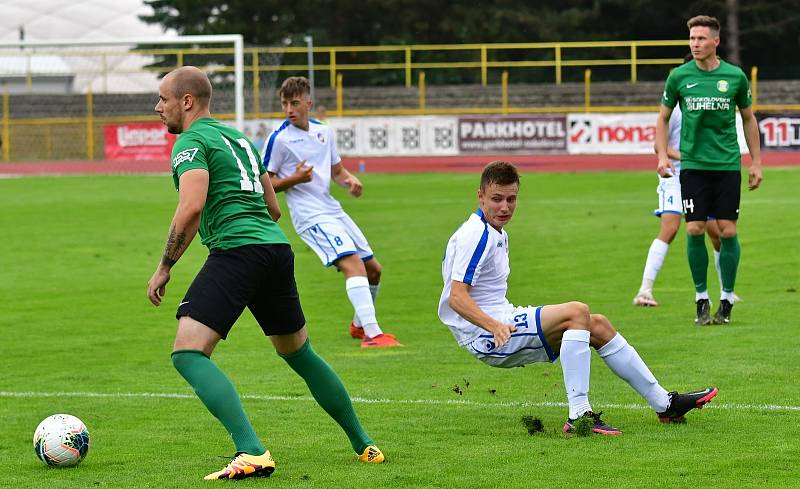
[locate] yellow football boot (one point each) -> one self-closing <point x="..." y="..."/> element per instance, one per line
<point x="371" y="455"/>
<point x="246" y="465"/>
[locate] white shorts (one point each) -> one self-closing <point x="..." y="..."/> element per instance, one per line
<point x="669" y="196"/>
<point x="336" y="237"/>
<point x="527" y="344"/>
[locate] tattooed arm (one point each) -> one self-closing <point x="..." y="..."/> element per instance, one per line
<point x="191" y="199"/>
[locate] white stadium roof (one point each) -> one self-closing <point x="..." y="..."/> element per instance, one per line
<point x="43" y="20"/>
<point x="74" y="19"/>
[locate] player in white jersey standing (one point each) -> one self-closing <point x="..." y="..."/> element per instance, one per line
<point x="670" y="210"/>
<point x="473" y="305"/>
<point x="301" y="159"/>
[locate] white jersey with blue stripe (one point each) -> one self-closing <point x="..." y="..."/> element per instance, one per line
<point x="477" y="255"/>
<point x="311" y="202"/>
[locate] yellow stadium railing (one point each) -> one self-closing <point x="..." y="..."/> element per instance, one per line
<point x="53" y="129"/>
<point x="480" y="58"/>
<point x="559" y="56"/>
<point x="481" y="52"/>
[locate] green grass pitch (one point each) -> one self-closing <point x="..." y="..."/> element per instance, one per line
<point x="79" y="336"/>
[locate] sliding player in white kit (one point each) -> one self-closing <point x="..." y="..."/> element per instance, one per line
<point x="301" y="159"/>
<point x="474" y="306"/>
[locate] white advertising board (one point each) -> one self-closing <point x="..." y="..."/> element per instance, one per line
<point x="378" y="136"/>
<point x="586" y="133"/>
<point x="623" y="133"/>
<point x="395" y="136"/>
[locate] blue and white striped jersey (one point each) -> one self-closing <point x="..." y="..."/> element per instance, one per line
<point x="477" y="255"/>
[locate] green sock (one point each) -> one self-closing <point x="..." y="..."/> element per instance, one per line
<point x="328" y="390"/>
<point x="729" y="252"/>
<point x="219" y="396"/>
<point x="698" y="260"/>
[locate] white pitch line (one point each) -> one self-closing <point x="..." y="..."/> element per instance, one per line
<point x="437" y="402"/>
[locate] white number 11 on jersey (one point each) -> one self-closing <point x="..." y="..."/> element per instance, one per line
<point x="250" y="184"/>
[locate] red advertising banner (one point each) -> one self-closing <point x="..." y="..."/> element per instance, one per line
<point x="138" y="141"/>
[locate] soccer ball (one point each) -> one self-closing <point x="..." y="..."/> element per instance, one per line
<point x="61" y="440"/>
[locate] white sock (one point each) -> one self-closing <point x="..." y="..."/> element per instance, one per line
<point x="719" y="271"/>
<point x="700" y="295"/>
<point x="624" y="361"/>
<point x="575" y="363"/>
<point x="373" y="290"/>
<point x="727" y="296"/>
<point x="655" y="258"/>
<point x="358" y="293"/>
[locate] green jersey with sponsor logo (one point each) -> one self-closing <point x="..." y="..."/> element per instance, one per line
<point x="708" y="101"/>
<point x="235" y="213"/>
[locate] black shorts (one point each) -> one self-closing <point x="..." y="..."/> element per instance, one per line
<point x="711" y="193"/>
<point x="260" y="277"/>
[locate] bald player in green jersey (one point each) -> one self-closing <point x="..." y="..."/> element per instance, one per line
<point x="224" y="192"/>
<point x="708" y="90"/>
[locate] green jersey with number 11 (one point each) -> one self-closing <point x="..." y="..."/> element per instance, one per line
<point x="708" y="101"/>
<point x="235" y="213"/>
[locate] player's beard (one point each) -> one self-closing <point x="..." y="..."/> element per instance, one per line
<point x="173" y="128"/>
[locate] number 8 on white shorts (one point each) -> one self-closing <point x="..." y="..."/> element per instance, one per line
<point x="335" y="238"/>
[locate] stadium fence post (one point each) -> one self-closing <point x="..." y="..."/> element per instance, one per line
<point x="89" y="124"/>
<point x="339" y="95"/>
<point x="333" y="68"/>
<point x="256" y="85"/>
<point x="587" y="84"/>
<point x="408" y="67"/>
<point x="422" y="92"/>
<point x="5" y="141"/>
<point x="484" y="56"/>
<point x="558" y="64"/>
<point x="504" y="92"/>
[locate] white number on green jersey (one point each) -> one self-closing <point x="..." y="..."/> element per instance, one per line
<point x="252" y="184"/>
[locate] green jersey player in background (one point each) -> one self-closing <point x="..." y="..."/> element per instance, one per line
<point x="225" y="193"/>
<point x="708" y="91"/>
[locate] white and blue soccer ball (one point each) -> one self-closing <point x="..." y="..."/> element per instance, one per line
<point x="61" y="440"/>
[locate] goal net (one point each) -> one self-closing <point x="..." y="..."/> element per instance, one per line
<point x="94" y="99"/>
